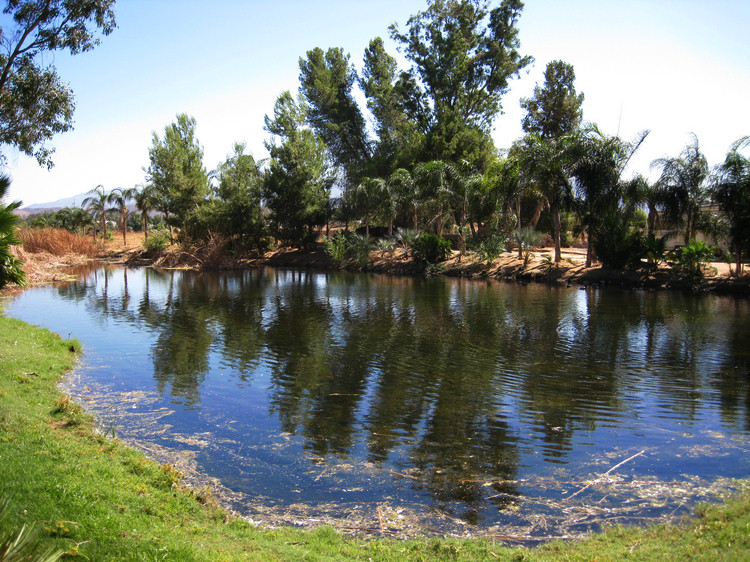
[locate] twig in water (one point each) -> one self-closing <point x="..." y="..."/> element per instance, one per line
<point x="618" y="465"/>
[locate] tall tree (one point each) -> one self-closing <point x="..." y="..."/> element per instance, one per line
<point x="239" y="211"/>
<point x="685" y="189"/>
<point x="35" y="104"/>
<point x="731" y="190"/>
<point x="120" y="197"/>
<point x="463" y="56"/>
<point x="598" y="163"/>
<point x="392" y="101"/>
<point x="555" y="109"/>
<point x="176" y="170"/>
<point x="146" y="201"/>
<point x="298" y="181"/>
<point x="545" y="162"/>
<point x="326" y="82"/>
<point x="97" y="205"/>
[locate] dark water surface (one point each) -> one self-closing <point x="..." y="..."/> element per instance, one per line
<point x="444" y="402"/>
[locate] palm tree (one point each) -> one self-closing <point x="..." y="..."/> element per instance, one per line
<point x="545" y="161"/>
<point x="368" y="196"/>
<point x="120" y="197"/>
<point x="10" y="265"/>
<point x="145" y="201"/>
<point x="402" y="185"/>
<point x="434" y="181"/>
<point x="597" y="167"/>
<point x="731" y="190"/>
<point x="683" y="181"/>
<point x="97" y="206"/>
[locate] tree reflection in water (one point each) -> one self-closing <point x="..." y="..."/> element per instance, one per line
<point x="459" y="388"/>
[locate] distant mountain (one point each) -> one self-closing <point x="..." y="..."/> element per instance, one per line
<point x="74" y="201"/>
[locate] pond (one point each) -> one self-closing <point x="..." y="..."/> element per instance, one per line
<point x="404" y="405"/>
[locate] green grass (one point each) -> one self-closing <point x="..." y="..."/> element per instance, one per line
<point x="97" y="499"/>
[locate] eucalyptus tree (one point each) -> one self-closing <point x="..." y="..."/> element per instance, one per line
<point x="731" y="191"/>
<point x="298" y="181"/>
<point x="684" y="183"/>
<point x="35" y="104"/>
<point x="97" y="205"/>
<point x="11" y="268"/>
<point x="176" y="171"/>
<point x="463" y="56"/>
<point x="119" y="197"/>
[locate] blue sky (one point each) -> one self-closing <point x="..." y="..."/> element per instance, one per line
<point x="671" y="66"/>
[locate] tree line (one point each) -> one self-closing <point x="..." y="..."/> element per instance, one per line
<point x="420" y="157"/>
<point x="426" y="160"/>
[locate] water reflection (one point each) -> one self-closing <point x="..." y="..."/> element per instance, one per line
<point x="455" y="389"/>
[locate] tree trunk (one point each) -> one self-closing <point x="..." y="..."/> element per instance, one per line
<point x="518" y="221"/>
<point x="558" y="229"/>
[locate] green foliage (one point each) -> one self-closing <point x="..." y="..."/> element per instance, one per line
<point x="157" y="241"/>
<point x="406" y="237"/>
<point x="617" y="245"/>
<point x="555" y="110"/>
<point x="176" y="173"/>
<point x="527" y="239"/>
<point x="72" y="219"/>
<point x="326" y="82"/>
<point x="688" y="262"/>
<point x="348" y="249"/>
<point x="464" y="55"/>
<point x="11" y="268"/>
<point x="731" y="190"/>
<point x="684" y="190"/>
<point x="431" y="248"/>
<point x="488" y="247"/>
<point x="35" y="104"/>
<point x="298" y="181"/>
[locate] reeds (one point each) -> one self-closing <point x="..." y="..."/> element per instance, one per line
<point x="56" y="241"/>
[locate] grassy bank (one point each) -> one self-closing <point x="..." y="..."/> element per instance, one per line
<point x="97" y="499"/>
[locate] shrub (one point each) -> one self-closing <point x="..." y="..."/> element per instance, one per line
<point x="527" y="238"/>
<point x="406" y="238"/>
<point x="349" y="249"/>
<point x="688" y="262"/>
<point x="430" y="248"/>
<point x="488" y="248"/>
<point x="157" y="241"/>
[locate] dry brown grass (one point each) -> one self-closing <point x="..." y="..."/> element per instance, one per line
<point x="56" y="241"/>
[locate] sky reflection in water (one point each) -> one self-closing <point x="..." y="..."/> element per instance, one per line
<point x="477" y="401"/>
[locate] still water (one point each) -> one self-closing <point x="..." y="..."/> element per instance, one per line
<point x="392" y="401"/>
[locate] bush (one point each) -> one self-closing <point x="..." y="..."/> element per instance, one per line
<point x="157" y="241"/>
<point x="347" y="249"/>
<point x="688" y="262"/>
<point x="430" y="248"/>
<point x="488" y="248"/>
<point x="527" y="238"/>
